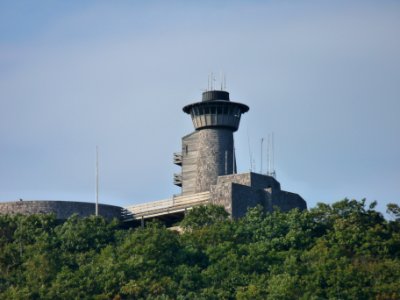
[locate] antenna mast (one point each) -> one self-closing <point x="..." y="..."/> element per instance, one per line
<point x="233" y="159"/>
<point x="250" y="155"/>
<point x="268" y="155"/>
<point x="273" y="173"/>
<point x="271" y="156"/>
<point x="224" y="82"/>
<point x="97" y="181"/>
<point x="261" y="154"/>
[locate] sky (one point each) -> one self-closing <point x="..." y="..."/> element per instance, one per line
<point x="323" y="76"/>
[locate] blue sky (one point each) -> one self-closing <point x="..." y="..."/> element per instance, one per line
<point x="324" y="76"/>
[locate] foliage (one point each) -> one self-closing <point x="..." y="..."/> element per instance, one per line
<point x="346" y="250"/>
<point x="204" y="215"/>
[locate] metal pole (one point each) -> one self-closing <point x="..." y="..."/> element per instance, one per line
<point x="226" y="162"/>
<point x="268" y="156"/>
<point x="262" y="140"/>
<point x="250" y="156"/>
<point x="234" y="164"/>
<point x="273" y="154"/>
<point x="97" y="181"/>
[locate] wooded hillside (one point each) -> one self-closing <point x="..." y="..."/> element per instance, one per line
<point x="342" y="251"/>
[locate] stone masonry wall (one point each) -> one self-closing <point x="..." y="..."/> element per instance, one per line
<point x="238" y="192"/>
<point x="189" y="163"/>
<point x="260" y="181"/>
<point x="245" y="197"/>
<point x="287" y="201"/>
<point x="62" y="209"/>
<point x="243" y="179"/>
<point x="257" y="181"/>
<point x="213" y="147"/>
<point x="221" y="194"/>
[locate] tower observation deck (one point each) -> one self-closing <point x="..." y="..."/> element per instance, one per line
<point x="216" y="111"/>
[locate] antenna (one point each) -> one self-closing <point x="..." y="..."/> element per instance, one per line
<point x="268" y="155"/>
<point x="250" y="155"/>
<point x="97" y="181"/>
<point x="273" y="173"/>
<point x="221" y="76"/>
<point x="226" y="162"/>
<point x="261" y="158"/>
<point x="271" y="156"/>
<point x="233" y="158"/>
<point x="224" y="82"/>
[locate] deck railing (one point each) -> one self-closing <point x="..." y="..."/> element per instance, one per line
<point x="162" y="207"/>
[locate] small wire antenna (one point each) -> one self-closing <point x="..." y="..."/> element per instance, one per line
<point x="268" y="155"/>
<point x="233" y="157"/>
<point x="250" y="155"/>
<point x="273" y="173"/>
<point x="261" y="156"/>
<point x="271" y="156"/>
<point x="234" y="160"/>
<point x="224" y="82"/>
<point x="97" y="181"/>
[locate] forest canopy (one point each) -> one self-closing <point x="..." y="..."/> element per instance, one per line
<point x="346" y="250"/>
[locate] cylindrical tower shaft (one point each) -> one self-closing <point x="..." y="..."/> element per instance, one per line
<point x="215" y="157"/>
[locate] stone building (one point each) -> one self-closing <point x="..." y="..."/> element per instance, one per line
<point x="209" y="165"/>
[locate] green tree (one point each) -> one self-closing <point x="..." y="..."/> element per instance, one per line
<point x="204" y="215"/>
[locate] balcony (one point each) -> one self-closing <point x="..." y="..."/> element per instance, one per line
<point x="178" y="158"/>
<point x="178" y="179"/>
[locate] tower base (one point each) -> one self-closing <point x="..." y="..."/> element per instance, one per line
<point x="236" y="193"/>
<point x="239" y="192"/>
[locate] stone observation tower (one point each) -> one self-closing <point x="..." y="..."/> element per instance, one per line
<point x="208" y="163"/>
<point x="209" y="152"/>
